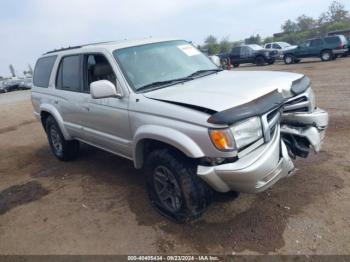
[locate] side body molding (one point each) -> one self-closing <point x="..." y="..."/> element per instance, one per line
<point x="54" y="112"/>
<point x="166" y="135"/>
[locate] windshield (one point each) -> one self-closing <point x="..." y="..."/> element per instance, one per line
<point x="284" y="44"/>
<point x="158" y="62"/>
<point x="255" y="47"/>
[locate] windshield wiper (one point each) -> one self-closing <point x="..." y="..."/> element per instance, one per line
<point x="157" y="84"/>
<point x="199" y="72"/>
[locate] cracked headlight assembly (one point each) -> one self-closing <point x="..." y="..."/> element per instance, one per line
<point x="247" y="131"/>
<point x="239" y="135"/>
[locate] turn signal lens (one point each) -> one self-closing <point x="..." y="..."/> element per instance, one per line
<point x="222" y="139"/>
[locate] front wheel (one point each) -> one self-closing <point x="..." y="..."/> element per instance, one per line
<point x="173" y="186"/>
<point x="259" y="61"/>
<point x="326" y="55"/>
<point x="63" y="149"/>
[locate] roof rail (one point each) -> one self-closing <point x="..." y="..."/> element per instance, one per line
<point x="75" y="47"/>
<point x="63" y="49"/>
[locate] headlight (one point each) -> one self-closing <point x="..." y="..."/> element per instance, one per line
<point x="237" y="136"/>
<point x="247" y="131"/>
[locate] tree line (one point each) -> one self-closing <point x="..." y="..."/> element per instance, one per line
<point x="293" y="32"/>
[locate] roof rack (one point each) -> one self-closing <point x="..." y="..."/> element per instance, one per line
<point x="63" y="49"/>
<point x="75" y="47"/>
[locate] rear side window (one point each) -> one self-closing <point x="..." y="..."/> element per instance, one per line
<point x="43" y="69"/>
<point x="236" y="50"/>
<point x="276" y="46"/>
<point x="332" y="40"/>
<point x="69" y="74"/>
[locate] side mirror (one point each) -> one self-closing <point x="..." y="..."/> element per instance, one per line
<point x="104" y="89"/>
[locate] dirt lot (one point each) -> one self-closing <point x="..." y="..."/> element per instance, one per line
<point x="98" y="204"/>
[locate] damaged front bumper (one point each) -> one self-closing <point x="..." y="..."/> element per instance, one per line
<point x="263" y="167"/>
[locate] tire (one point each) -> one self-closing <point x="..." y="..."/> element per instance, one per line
<point x="271" y="62"/>
<point x="64" y="150"/>
<point x="235" y="65"/>
<point x="327" y="55"/>
<point x="289" y="59"/>
<point x="259" y="61"/>
<point x="297" y="61"/>
<point x="174" y="188"/>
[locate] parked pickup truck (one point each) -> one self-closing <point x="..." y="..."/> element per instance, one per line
<point x="250" y="54"/>
<point x="190" y="126"/>
<point x="327" y="49"/>
<point x="280" y="47"/>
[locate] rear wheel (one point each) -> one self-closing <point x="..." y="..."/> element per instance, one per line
<point x="289" y="59"/>
<point x="63" y="149"/>
<point x="326" y="55"/>
<point x="173" y="186"/>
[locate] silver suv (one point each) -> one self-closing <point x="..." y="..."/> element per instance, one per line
<point x="192" y="127"/>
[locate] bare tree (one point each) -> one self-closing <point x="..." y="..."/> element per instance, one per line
<point x="337" y="13"/>
<point x="289" y="26"/>
<point x="305" y="23"/>
<point x="225" y="45"/>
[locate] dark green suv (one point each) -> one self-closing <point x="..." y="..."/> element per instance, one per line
<point x="325" y="48"/>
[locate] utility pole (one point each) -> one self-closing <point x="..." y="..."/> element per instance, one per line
<point x="12" y="69"/>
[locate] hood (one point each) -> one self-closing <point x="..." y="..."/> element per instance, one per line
<point x="226" y="89"/>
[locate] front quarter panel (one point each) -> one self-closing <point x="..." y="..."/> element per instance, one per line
<point x="183" y="128"/>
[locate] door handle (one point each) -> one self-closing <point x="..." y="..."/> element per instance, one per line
<point x="86" y="108"/>
<point x="56" y="102"/>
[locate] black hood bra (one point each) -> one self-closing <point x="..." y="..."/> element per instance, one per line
<point x="257" y="107"/>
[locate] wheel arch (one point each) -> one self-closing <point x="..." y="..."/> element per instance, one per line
<point x="291" y="54"/>
<point x="149" y="137"/>
<point x="326" y="49"/>
<point x="47" y="110"/>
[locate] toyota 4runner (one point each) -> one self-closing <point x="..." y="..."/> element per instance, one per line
<point x="192" y="127"/>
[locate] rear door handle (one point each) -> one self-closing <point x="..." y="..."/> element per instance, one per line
<point x="86" y="108"/>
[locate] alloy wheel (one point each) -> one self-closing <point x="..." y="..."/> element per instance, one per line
<point x="326" y="56"/>
<point x="167" y="188"/>
<point x="56" y="141"/>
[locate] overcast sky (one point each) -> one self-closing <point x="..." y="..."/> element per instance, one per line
<point x="28" y="28"/>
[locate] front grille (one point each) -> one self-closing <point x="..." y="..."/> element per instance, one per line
<point x="269" y="123"/>
<point x="300" y="104"/>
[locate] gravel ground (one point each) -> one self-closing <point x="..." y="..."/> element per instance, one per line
<point x="98" y="203"/>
